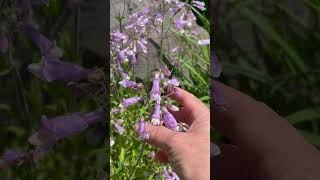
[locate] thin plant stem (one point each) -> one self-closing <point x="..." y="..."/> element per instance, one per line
<point x="77" y="30"/>
<point x="138" y="161"/>
<point x="162" y="33"/>
<point x="21" y="99"/>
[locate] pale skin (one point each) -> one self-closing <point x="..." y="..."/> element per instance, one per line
<point x="188" y="152"/>
<point x="264" y="145"/>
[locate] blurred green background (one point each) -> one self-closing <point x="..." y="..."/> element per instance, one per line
<point x="269" y="50"/>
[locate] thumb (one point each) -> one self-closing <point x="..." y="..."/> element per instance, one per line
<point x="160" y="136"/>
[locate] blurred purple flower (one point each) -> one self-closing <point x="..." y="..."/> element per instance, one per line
<point x="47" y="48"/>
<point x="218" y="100"/>
<point x="62" y="127"/>
<point x="119" y="128"/>
<point x="55" y="70"/>
<point x="165" y="70"/>
<point x="4" y="44"/>
<point x="200" y="5"/>
<point x="129" y="102"/>
<point x="168" y="119"/>
<point x="152" y="154"/>
<point x="142" y="133"/>
<point x="12" y="157"/>
<point x="216" y="67"/>
<point x="204" y="42"/>
<point x="114" y="111"/>
<point x="173" y="176"/>
<point x="173" y="82"/>
<point x="128" y="84"/>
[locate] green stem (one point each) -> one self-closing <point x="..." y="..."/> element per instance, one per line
<point x="21" y="99"/>
<point x="138" y="161"/>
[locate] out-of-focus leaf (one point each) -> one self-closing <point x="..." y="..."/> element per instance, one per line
<point x="304" y="115"/>
<point x="5" y="108"/>
<point x="311" y="137"/>
<point x="5" y="72"/>
<point x="121" y="156"/>
<point x="269" y="31"/>
<point x="16" y="130"/>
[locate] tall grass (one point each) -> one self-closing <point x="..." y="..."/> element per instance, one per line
<point x="273" y="56"/>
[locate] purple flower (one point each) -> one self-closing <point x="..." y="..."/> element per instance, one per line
<point x="12" y="157"/>
<point x="181" y="23"/>
<point x="204" y="42"/>
<point x="199" y="5"/>
<point x="165" y="70"/>
<point x="133" y="59"/>
<point x="4" y="44"/>
<point x="128" y="84"/>
<point x="119" y="128"/>
<point x="156" y="114"/>
<point x="62" y="127"/>
<point x="142" y="133"/>
<point x="173" y="82"/>
<point x="47" y="48"/>
<point x="56" y="70"/>
<point x="114" y="111"/>
<point x="152" y="154"/>
<point x="129" y="102"/>
<point x="155" y="91"/>
<point x="173" y="176"/>
<point x="142" y="43"/>
<point x="119" y="37"/>
<point x="168" y="119"/>
<point x="216" y="67"/>
<point x="218" y="100"/>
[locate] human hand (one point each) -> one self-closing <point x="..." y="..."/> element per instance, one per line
<point x="189" y="152"/>
<point x="264" y="145"/>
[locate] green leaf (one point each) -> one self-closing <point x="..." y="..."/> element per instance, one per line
<point x="5" y="72"/>
<point x="311" y="137"/>
<point x="121" y="156"/>
<point x="5" y="108"/>
<point x="304" y="115"/>
<point x="269" y="31"/>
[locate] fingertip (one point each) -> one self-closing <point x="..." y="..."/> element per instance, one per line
<point x="158" y="135"/>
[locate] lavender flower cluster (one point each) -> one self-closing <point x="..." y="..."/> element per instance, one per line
<point x="129" y="41"/>
<point x="52" y="68"/>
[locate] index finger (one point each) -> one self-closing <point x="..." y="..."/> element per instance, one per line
<point x="193" y="108"/>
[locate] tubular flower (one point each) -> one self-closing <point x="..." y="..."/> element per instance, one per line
<point x="173" y="82"/>
<point x="156" y="114"/>
<point x="119" y="128"/>
<point x="56" y="70"/>
<point x="155" y="91"/>
<point x="62" y="127"/>
<point x="12" y="157"/>
<point x="142" y="133"/>
<point x="129" y="102"/>
<point x="200" y="5"/>
<point x="168" y="119"/>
